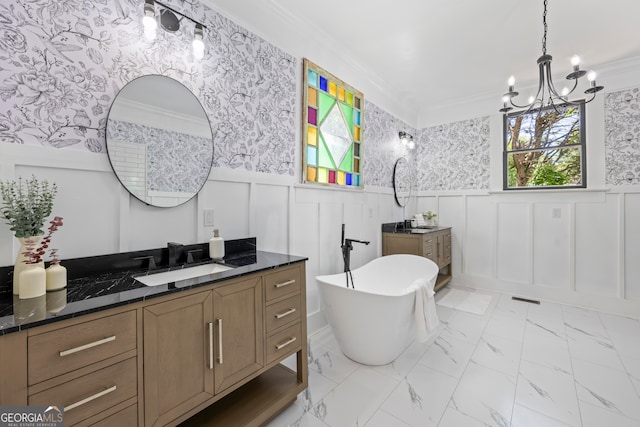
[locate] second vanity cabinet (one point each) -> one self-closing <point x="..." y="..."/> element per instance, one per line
<point x="433" y="244"/>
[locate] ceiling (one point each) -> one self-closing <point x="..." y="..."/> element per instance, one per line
<point x="416" y="56"/>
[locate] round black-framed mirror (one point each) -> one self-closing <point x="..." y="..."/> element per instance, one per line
<point x="159" y="141"/>
<point x="402" y="181"/>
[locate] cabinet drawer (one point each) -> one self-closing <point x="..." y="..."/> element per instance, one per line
<point x="126" y="418"/>
<point x="64" y="350"/>
<point x="284" y="343"/>
<point x="283" y="312"/>
<point x="282" y="282"/>
<point x="428" y="247"/>
<point x="93" y="393"/>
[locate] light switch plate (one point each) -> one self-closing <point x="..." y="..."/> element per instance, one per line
<point x="208" y="218"/>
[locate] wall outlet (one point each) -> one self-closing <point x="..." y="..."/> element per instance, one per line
<point x="556" y="213"/>
<point x="208" y="218"/>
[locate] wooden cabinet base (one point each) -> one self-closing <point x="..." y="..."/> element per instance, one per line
<point x="435" y="245"/>
<point x="254" y="403"/>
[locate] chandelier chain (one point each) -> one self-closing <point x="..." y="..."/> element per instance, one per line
<point x="547" y="96"/>
<point x="544" y="23"/>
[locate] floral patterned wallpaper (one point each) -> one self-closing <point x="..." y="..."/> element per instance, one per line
<point x="454" y="156"/>
<point x="176" y="161"/>
<point x="381" y="145"/>
<point x="63" y="62"/>
<point x="622" y="137"/>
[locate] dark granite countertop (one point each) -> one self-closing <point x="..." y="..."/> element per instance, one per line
<point x="401" y="227"/>
<point x="112" y="283"/>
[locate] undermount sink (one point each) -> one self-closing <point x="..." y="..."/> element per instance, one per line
<point x="182" y="274"/>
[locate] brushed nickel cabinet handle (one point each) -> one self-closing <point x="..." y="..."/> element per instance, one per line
<point x="287" y="283"/>
<point x="210" y="345"/>
<point x="220" y="341"/>
<point x="286" y="313"/>
<point x="286" y="343"/>
<point x="87" y="346"/>
<point x="89" y="399"/>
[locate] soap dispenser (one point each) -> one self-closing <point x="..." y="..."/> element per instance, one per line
<point x="216" y="246"/>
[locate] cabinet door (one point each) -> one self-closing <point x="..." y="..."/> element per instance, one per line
<point x="239" y="333"/>
<point x="178" y="374"/>
<point x="393" y="243"/>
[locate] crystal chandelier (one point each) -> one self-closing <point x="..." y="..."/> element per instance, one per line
<point x="548" y="95"/>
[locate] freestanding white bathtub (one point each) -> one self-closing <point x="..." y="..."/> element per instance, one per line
<point x="375" y="322"/>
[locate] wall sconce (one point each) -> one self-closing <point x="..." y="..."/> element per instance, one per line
<point x="407" y="140"/>
<point x="171" y="23"/>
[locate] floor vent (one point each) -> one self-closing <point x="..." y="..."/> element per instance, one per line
<point x="530" y="301"/>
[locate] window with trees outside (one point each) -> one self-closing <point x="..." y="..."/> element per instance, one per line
<point x="545" y="148"/>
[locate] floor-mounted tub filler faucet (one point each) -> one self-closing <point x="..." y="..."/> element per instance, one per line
<point x="347" y="247"/>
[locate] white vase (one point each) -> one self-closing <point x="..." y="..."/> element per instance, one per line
<point x="56" y="277"/>
<point x="21" y="264"/>
<point x="33" y="281"/>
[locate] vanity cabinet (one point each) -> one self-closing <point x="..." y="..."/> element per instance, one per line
<point x="204" y="356"/>
<point x="435" y="245"/>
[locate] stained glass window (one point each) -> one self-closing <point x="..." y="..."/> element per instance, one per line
<point x="332" y="130"/>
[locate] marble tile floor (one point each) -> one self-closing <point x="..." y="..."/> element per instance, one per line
<point x="519" y="365"/>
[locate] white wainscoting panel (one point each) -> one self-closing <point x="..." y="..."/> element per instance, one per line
<point x="451" y="213"/>
<point x="632" y="245"/>
<point x="479" y="241"/>
<point x="269" y="209"/>
<point x="597" y="250"/>
<point x="230" y="203"/>
<point x="88" y="203"/>
<point x="153" y="227"/>
<point x="514" y="242"/>
<point x="552" y="248"/>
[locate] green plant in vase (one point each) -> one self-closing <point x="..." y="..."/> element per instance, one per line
<point x="26" y="205"/>
<point x="430" y="218"/>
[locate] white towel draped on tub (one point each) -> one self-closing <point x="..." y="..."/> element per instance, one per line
<point x="425" y="308"/>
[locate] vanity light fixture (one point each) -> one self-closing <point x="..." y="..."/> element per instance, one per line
<point x="548" y="95"/>
<point x="170" y="22"/>
<point x="407" y="140"/>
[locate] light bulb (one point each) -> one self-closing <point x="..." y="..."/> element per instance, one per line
<point x="575" y="60"/>
<point x="149" y="25"/>
<point x="531" y="99"/>
<point x="198" y="44"/>
<point x="565" y="91"/>
<point x="198" y="49"/>
<point x="591" y="76"/>
<point x="411" y="145"/>
<point x="505" y="99"/>
<point x="512" y="81"/>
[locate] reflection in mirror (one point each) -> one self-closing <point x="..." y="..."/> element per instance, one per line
<point x="402" y="181"/>
<point x="159" y="141"/>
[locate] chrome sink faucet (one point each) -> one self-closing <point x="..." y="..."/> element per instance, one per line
<point x="175" y="249"/>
